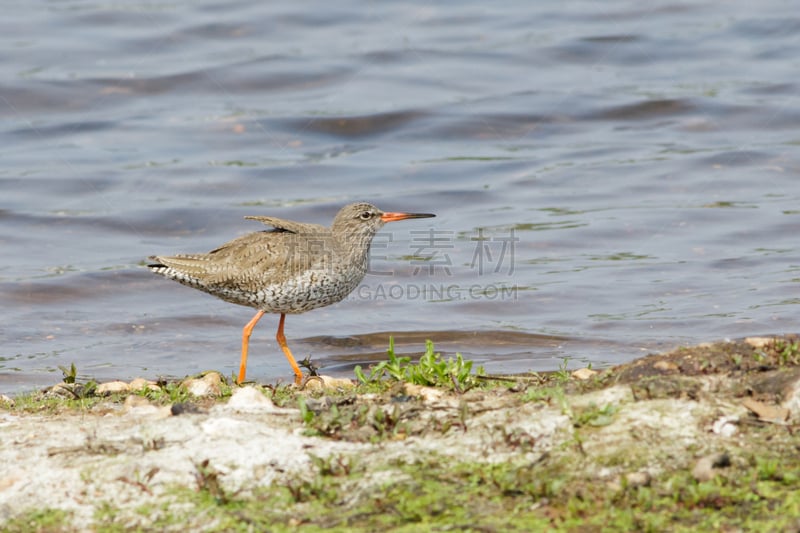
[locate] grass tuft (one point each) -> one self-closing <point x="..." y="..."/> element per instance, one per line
<point x="432" y="370"/>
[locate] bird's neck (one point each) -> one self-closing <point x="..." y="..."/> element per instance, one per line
<point x="355" y="246"/>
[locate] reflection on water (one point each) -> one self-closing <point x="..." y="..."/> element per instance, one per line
<point x="608" y="179"/>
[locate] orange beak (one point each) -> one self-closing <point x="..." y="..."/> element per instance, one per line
<point x="394" y="217"/>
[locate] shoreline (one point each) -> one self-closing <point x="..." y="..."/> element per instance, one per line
<point x="696" y="438"/>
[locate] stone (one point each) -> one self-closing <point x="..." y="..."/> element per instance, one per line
<point x="726" y="426"/>
<point x="428" y="394"/>
<point x="141" y="384"/>
<point x="327" y="383"/>
<point x="638" y="479"/>
<point x="758" y="342"/>
<point x="249" y="399"/>
<point x="112" y="387"/>
<point x="208" y="385"/>
<point x="63" y="390"/>
<point x="584" y="373"/>
<point x="667" y="366"/>
<point x="704" y="468"/>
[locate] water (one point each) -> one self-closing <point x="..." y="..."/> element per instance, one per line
<point x="609" y="178"/>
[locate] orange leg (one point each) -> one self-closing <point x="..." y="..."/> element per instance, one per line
<point x="298" y="375"/>
<point x="248" y="329"/>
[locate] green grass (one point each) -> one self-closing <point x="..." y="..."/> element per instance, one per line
<point x="594" y="416"/>
<point x="45" y="521"/>
<point x="788" y="352"/>
<point x="432" y="370"/>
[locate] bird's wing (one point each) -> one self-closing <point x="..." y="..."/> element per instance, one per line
<point x="287" y="225"/>
<point x="254" y="258"/>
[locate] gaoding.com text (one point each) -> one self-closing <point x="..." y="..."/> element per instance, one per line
<point x="434" y="292"/>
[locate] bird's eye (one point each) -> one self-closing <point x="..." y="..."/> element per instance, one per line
<point x="366" y="215"/>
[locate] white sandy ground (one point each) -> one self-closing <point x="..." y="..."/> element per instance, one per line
<point x="76" y="461"/>
<point x="131" y="455"/>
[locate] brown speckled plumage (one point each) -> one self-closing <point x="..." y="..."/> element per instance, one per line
<point x="292" y="268"/>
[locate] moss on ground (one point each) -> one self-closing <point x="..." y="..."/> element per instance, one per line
<point x="433" y="493"/>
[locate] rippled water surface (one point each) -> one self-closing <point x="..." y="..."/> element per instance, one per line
<point x="609" y="178"/>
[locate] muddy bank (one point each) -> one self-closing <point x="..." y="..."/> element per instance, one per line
<point x="702" y="437"/>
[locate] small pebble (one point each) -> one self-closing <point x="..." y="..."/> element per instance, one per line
<point x="758" y="342"/>
<point x="111" y="387"/>
<point x="64" y="390"/>
<point x="208" y="385"/>
<point x="249" y="399"/>
<point x="428" y="394"/>
<point x="667" y="366"/>
<point x="725" y="426"/>
<point x="327" y="382"/>
<point x="141" y="383"/>
<point x="638" y="479"/>
<point x="704" y="468"/>
<point x="584" y="373"/>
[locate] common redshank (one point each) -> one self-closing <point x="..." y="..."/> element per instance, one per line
<point x="290" y="269"/>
